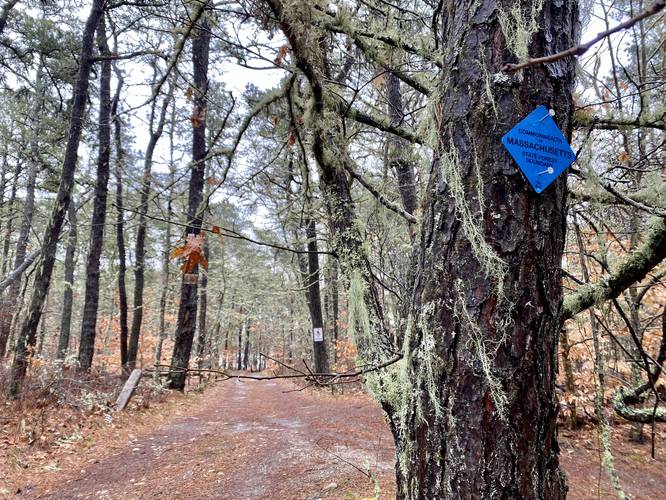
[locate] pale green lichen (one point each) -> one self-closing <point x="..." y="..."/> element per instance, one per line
<point x="487" y="82"/>
<point x="519" y="26"/>
<point x="492" y="265"/>
<point x="483" y="350"/>
<point x="429" y="363"/>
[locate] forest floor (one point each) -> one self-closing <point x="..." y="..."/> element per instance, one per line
<point x="263" y="440"/>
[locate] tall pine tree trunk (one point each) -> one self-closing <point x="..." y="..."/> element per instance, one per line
<point x="165" y="255"/>
<point x="91" y="298"/>
<point x="140" y="250"/>
<point x="20" y="250"/>
<point x="478" y="417"/>
<point x="187" y="310"/>
<point x="68" y="294"/>
<point x="313" y="293"/>
<point x="120" y="217"/>
<point x="27" y="334"/>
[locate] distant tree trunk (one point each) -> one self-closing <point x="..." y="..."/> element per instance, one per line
<point x="26" y="337"/>
<point x="569" y="379"/>
<point x="187" y="310"/>
<point x="241" y="329"/>
<point x="215" y="340"/>
<point x="203" y="299"/>
<point x="68" y="294"/>
<point x="399" y="149"/>
<point x="314" y="298"/>
<point x="6" y="314"/>
<point x="246" y="349"/>
<point x="20" y="250"/>
<point x="3" y="183"/>
<point x="7" y="236"/>
<point x="335" y="306"/>
<point x="3" y="186"/>
<point x="165" y="256"/>
<point x="120" y="222"/>
<point x="91" y="298"/>
<point x="140" y="251"/>
<point x="42" y="330"/>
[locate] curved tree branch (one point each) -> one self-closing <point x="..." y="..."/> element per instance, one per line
<point x="633" y="269"/>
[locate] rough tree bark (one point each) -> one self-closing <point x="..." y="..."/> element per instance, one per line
<point x="486" y="407"/>
<point x="187" y="310"/>
<point x="68" y="294"/>
<point x="91" y="297"/>
<point x="26" y="337"/>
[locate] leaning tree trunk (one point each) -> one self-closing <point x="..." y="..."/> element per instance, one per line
<point x="27" y="334"/>
<point x="482" y="340"/>
<point x="187" y="310"/>
<point x="91" y="297"/>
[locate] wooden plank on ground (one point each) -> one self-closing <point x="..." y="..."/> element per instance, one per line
<point x="128" y="389"/>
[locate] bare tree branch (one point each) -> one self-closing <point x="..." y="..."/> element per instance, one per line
<point x="16" y="273"/>
<point x="579" y="50"/>
<point x="633" y="269"/>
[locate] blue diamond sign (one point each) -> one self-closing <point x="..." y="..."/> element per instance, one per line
<point x="539" y="148"/>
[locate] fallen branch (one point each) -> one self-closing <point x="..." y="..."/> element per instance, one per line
<point x="579" y="50"/>
<point x="319" y="379"/>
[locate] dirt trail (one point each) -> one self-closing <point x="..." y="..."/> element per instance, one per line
<point x="255" y="440"/>
<point x="250" y="440"/>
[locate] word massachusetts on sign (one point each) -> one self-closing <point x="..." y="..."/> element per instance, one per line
<point x="539" y="148"/>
